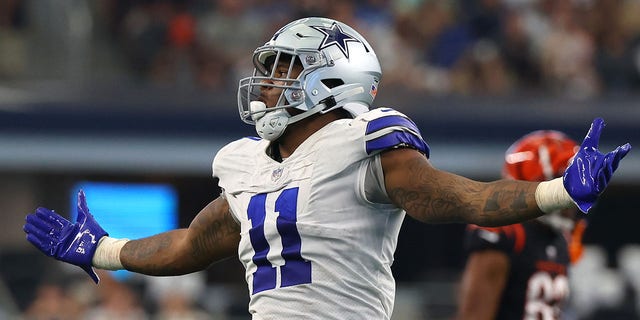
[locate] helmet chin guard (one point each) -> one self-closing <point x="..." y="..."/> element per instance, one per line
<point x="339" y="69"/>
<point x="271" y="125"/>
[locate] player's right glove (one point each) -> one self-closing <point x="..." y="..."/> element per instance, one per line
<point x="590" y="171"/>
<point x="57" y="237"/>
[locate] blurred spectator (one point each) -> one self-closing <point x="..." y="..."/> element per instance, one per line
<point x="567" y="55"/>
<point x="423" y="48"/>
<point x="117" y="300"/>
<point x="229" y="29"/>
<point x="51" y="302"/>
<point x="375" y="12"/>
<point x="397" y="50"/>
<point x="13" y="42"/>
<point x="482" y="71"/>
<point x="518" y="52"/>
<point x="175" y="298"/>
<point x="143" y="35"/>
<point x="452" y="39"/>
<point x="308" y="8"/>
<point x="615" y="54"/>
<point x="485" y="18"/>
<point x="173" y="64"/>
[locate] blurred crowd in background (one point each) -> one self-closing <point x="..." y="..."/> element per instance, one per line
<point x="574" y="48"/>
<point x="173" y="298"/>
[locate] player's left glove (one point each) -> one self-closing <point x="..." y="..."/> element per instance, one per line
<point x="590" y="171"/>
<point x="57" y="237"/>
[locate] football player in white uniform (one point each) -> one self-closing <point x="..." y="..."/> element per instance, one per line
<point x="313" y="206"/>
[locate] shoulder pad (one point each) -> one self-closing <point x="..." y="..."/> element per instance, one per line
<point x="387" y="129"/>
<point x="234" y="157"/>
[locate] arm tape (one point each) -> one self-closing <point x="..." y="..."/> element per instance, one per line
<point x="551" y="196"/>
<point x="107" y="255"/>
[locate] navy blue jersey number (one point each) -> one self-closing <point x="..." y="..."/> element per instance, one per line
<point x="296" y="270"/>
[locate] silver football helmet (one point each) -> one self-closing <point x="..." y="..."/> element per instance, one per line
<point x="339" y="70"/>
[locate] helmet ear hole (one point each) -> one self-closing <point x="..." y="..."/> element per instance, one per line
<point x="332" y="83"/>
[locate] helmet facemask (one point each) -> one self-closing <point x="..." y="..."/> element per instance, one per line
<point x="268" y="62"/>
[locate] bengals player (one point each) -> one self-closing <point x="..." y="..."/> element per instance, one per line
<point x="519" y="271"/>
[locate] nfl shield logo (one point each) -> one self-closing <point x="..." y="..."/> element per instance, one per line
<point x="373" y="91"/>
<point x="276" y="174"/>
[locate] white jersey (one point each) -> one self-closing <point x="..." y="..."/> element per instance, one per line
<point x="313" y="245"/>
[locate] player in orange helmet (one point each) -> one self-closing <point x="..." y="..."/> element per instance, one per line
<point x="520" y="271"/>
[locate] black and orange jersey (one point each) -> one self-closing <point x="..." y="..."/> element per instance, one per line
<point x="537" y="285"/>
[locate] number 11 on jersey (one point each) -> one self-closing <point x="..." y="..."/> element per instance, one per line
<point x="296" y="269"/>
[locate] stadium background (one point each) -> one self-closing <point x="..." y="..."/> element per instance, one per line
<point x="144" y="92"/>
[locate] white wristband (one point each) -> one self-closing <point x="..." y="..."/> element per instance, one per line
<point x="107" y="254"/>
<point x="551" y="196"/>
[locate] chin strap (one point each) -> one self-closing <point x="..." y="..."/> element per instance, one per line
<point x="271" y="125"/>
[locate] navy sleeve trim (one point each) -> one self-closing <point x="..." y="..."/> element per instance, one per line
<point x="394" y="131"/>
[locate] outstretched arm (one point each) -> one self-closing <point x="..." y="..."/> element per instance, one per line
<point x="212" y="236"/>
<point x="436" y="196"/>
<point x="432" y="195"/>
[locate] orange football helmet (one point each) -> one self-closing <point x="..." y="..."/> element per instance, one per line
<point x="539" y="156"/>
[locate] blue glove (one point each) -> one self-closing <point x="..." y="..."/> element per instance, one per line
<point x="587" y="176"/>
<point x="57" y="237"/>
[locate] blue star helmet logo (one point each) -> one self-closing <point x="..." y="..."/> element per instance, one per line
<point x="334" y="35"/>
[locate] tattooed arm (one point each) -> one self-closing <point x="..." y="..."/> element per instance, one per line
<point x="435" y="196"/>
<point x="212" y="236"/>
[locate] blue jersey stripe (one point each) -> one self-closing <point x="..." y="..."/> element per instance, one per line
<point x="390" y="121"/>
<point x="395" y="139"/>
